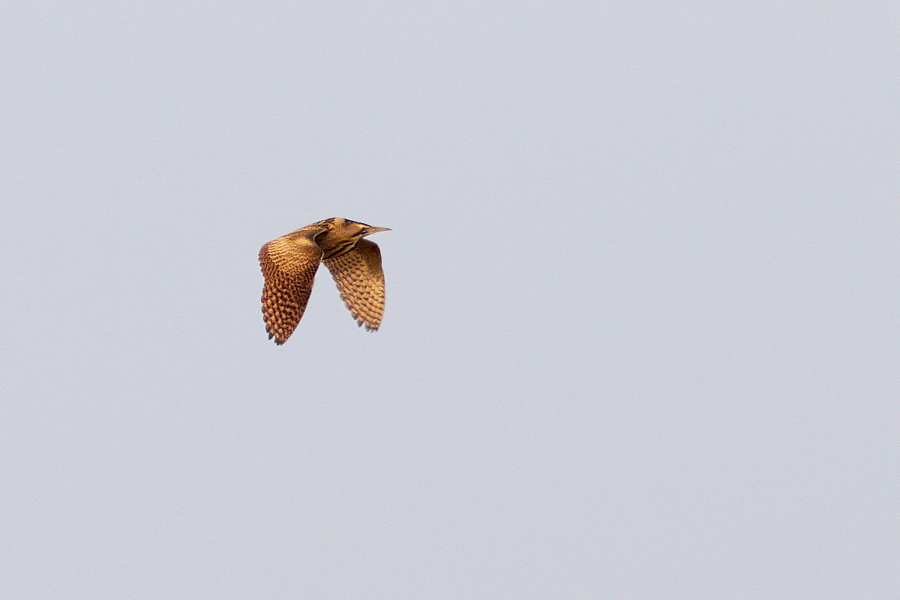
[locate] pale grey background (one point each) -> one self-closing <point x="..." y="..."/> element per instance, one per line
<point x="642" y="329"/>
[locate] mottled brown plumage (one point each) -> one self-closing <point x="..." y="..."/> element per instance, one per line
<point x="289" y="266"/>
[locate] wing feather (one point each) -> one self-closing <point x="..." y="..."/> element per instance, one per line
<point x="289" y="266"/>
<point x="360" y="280"/>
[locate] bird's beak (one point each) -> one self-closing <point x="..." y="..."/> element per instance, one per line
<point x="372" y="230"/>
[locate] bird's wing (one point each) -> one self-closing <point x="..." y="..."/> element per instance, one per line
<point x="360" y="281"/>
<point x="289" y="266"/>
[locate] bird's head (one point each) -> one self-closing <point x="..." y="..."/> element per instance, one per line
<point x="346" y="228"/>
<point x="343" y="234"/>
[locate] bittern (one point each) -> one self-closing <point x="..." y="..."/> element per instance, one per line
<point x="289" y="266"/>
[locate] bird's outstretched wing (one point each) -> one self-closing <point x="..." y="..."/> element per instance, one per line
<point x="360" y="281"/>
<point x="289" y="266"/>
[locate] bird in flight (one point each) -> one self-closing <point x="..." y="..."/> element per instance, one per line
<point x="289" y="266"/>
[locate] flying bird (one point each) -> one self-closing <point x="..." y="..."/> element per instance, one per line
<point x="289" y="266"/>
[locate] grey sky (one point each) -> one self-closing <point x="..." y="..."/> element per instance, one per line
<point x="641" y="336"/>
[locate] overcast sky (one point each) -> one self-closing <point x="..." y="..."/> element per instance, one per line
<point x="643" y="315"/>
